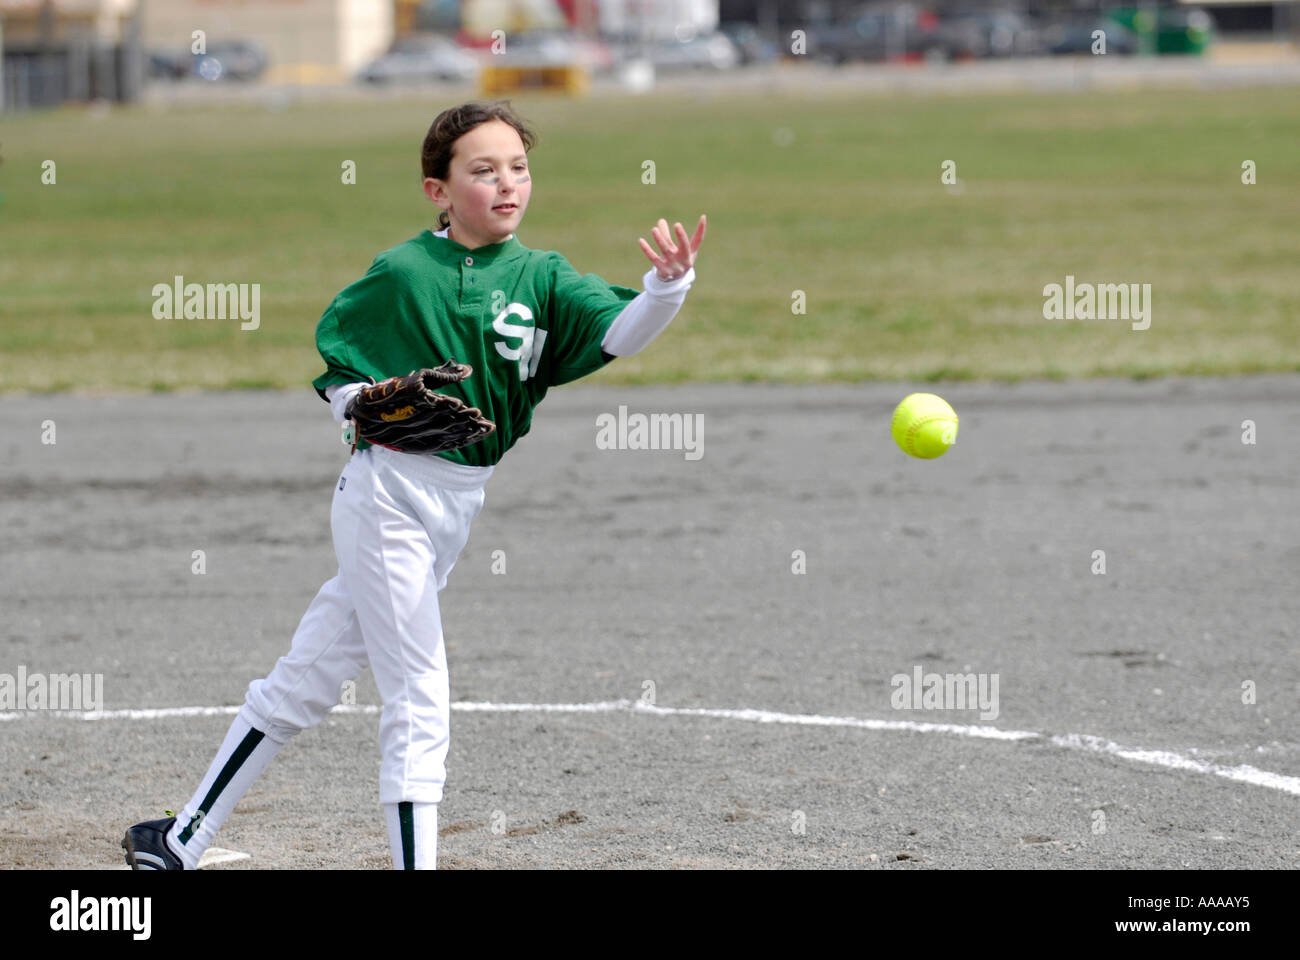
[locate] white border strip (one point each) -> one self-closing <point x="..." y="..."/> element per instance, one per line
<point x="1069" y="741"/>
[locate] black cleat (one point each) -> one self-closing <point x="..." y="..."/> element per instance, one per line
<point x="146" y="846"/>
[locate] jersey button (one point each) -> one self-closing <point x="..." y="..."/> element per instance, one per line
<point x="469" y="261"/>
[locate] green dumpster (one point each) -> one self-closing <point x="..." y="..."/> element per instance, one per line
<point x="1167" y="29"/>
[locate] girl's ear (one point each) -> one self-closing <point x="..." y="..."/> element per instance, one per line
<point x="435" y="190"/>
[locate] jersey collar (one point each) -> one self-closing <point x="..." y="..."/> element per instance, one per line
<point x="446" y="250"/>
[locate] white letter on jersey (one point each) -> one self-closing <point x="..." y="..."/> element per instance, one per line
<point x="529" y="352"/>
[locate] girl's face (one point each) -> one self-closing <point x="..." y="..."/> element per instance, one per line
<point x="488" y="168"/>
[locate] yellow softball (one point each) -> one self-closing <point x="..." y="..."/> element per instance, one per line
<point x="924" y="425"/>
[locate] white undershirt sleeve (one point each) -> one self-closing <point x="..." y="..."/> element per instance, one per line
<point x="647" y="316"/>
<point x="340" y="395"/>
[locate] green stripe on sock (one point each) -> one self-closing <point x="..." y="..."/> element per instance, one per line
<point x="406" y="821"/>
<point x="242" y="752"/>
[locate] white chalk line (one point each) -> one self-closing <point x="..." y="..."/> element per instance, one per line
<point x="1070" y="741"/>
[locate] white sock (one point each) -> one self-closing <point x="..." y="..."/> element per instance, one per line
<point x="413" y="835"/>
<point x="244" y="754"/>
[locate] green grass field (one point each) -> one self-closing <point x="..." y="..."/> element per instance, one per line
<point x="904" y="279"/>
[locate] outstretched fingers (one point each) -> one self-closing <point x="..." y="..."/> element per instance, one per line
<point x="676" y="258"/>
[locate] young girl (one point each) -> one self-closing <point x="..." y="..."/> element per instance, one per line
<point x="524" y="320"/>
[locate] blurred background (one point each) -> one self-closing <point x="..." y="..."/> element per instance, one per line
<point x="889" y="186"/>
<point x="61" y="50"/>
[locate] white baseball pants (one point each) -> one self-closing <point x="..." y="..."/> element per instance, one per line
<point x="399" y="523"/>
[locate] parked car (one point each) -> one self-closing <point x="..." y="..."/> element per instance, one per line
<point x="230" y="60"/>
<point x="421" y="59"/>
<point x="704" y="51"/>
<point x="222" y="60"/>
<point x="883" y="31"/>
<point x="167" y="65"/>
<point x="751" y="44"/>
<point x="1076" y="36"/>
<point x="993" y="33"/>
<point x="554" y="48"/>
<point x="541" y="48"/>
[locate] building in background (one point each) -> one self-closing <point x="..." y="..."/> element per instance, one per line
<point x="51" y="52"/>
<point x="479" y="18"/>
<point x="475" y="20"/>
<point x="657" y="20"/>
<point x="305" y="41"/>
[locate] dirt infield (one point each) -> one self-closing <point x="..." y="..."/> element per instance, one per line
<point x="633" y="575"/>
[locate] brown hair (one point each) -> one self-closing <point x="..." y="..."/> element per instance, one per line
<point x="453" y="123"/>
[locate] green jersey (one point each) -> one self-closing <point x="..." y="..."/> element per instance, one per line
<point x="525" y="320"/>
